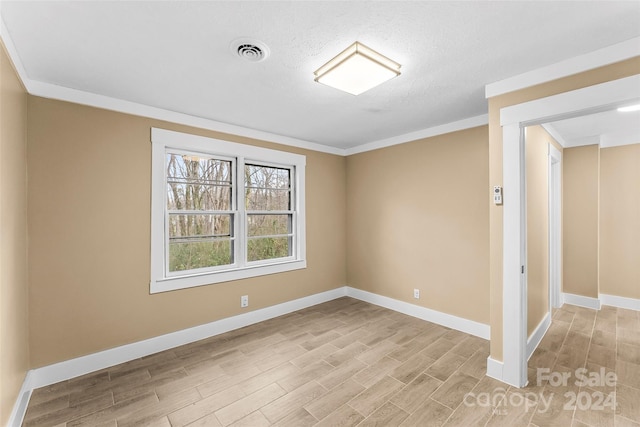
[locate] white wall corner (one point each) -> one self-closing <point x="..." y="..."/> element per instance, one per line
<point x="581" y="301"/>
<point x="536" y="336"/>
<point x="494" y="369"/>
<point x="454" y="322"/>
<point x="620" y="302"/>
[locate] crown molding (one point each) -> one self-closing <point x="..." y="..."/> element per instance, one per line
<point x="555" y="135"/>
<point x="610" y="140"/>
<point x="13" y="55"/>
<point x="46" y="90"/>
<point x="598" y="58"/>
<point x="471" y="122"/>
<point x="62" y="93"/>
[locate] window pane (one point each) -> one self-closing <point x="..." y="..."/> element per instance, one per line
<point x="199" y="241"/>
<point x="267" y="200"/>
<point x="267" y="177"/>
<point x="267" y="188"/>
<point x="198" y="183"/>
<point x="268" y="248"/>
<point x="189" y="255"/>
<point x="198" y="197"/>
<point x="200" y="227"/>
<point x="265" y="225"/>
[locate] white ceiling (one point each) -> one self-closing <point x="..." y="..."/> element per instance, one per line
<point x="607" y="128"/>
<point x="175" y="55"/>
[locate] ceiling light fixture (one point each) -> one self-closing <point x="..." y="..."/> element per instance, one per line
<point x="357" y="69"/>
<point x="629" y="108"/>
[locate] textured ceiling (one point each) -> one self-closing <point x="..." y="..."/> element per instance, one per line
<point x="176" y="56"/>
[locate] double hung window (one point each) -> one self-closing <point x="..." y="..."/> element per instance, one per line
<point x="223" y="211"/>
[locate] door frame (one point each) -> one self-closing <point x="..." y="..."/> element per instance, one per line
<point x="555" y="227"/>
<point x="513" y="120"/>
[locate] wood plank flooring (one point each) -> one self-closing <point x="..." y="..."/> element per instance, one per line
<point x="348" y="363"/>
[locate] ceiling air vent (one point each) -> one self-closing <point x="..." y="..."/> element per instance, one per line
<point x="250" y="50"/>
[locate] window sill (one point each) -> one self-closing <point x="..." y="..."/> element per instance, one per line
<point x="184" y="282"/>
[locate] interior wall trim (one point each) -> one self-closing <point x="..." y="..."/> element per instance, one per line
<point x="603" y="299"/>
<point x="61" y="93"/>
<point x="450" y="321"/>
<point x="554" y="134"/>
<point x="620" y="302"/>
<point x="536" y="336"/>
<point x="61" y="371"/>
<point x="68" y="369"/>
<point x="581" y="301"/>
<point x="588" y="61"/>
<point x="459" y="125"/>
<point x="41" y="377"/>
<point x="494" y="368"/>
<point x="20" y="407"/>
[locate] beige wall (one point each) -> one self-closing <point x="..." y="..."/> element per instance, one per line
<point x="602" y="221"/>
<point x="620" y="221"/>
<point x="14" y="350"/>
<point x="537" y="177"/>
<point x="580" y="221"/>
<point x="89" y="221"/>
<point x="418" y="218"/>
<point x="89" y="225"/>
<point x="576" y="81"/>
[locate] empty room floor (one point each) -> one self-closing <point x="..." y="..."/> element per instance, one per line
<point x="347" y="363"/>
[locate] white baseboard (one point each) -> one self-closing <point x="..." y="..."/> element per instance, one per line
<point x="494" y="368"/>
<point x="620" y="302"/>
<point x="464" y="325"/>
<point x="534" y="340"/>
<point x="603" y="299"/>
<point x="20" y="407"/>
<point x="52" y="374"/>
<point x="581" y="301"/>
<point x="72" y="368"/>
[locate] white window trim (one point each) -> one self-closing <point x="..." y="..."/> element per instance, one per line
<point x="161" y="140"/>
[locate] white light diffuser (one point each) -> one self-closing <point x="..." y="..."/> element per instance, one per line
<point x="357" y="69"/>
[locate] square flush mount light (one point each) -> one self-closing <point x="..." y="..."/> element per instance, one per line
<point x="357" y="69"/>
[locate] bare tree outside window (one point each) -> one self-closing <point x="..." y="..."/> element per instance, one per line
<point x="223" y="211"/>
<point x="269" y="214"/>
<point x="199" y="206"/>
<point x="201" y="212"/>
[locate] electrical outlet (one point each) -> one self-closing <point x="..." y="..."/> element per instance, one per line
<point x="244" y="301"/>
<point x="416" y="293"/>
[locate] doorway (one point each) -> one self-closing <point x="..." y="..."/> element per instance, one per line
<point x="513" y="120"/>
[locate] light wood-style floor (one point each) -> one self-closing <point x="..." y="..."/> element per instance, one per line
<point x="347" y="363"/>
